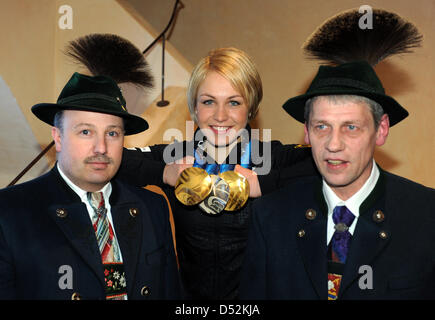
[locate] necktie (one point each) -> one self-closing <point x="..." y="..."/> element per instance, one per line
<point x="114" y="274"/>
<point x="340" y="244"/>
<point x="342" y="218"/>
<point x="103" y="229"/>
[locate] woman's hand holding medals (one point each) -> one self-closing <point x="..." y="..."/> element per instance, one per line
<point x="251" y="176"/>
<point x="228" y="190"/>
<point x="172" y="171"/>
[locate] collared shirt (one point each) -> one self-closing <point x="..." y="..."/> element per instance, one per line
<point x="353" y="203"/>
<point x="106" y="190"/>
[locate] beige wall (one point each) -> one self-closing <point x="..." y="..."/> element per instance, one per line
<point x="27" y="53"/>
<point x="273" y="31"/>
<point x="27" y="70"/>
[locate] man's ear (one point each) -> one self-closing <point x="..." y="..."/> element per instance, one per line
<point x="383" y="129"/>
<point x="307" y="137"/>
<point x="57" y="137"/>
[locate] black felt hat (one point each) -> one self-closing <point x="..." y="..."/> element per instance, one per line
<point x="96" y="94"/>
<point x="353" y="78"/>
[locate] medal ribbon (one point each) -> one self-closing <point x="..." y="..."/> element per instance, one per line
<point x="215" y="187"/>
<point x="214" y="168"/>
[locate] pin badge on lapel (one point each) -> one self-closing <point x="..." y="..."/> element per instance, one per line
<point x="133" y="212"/>
<point x="61" y="213"/>
<point x="378" y="216"/>
<point x="310" y="214"/>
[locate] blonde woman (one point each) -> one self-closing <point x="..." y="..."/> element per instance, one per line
<point x="224" y="94"/>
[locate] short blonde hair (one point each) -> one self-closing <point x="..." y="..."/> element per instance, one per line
<point x="235" y="66"/>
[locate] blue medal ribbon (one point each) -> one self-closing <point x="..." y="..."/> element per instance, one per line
<point x="214" y="168"/>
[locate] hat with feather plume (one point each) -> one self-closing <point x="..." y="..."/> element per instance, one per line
<point x="349" y="54"/>
<point x="111" y="60"/>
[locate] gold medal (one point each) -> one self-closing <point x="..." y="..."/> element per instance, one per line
<point x="193" y="186"/>
<point x="239" y="190"/>
<point x="216" y="201"/>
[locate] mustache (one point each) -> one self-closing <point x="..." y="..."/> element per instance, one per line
<point x="99" y="158"/>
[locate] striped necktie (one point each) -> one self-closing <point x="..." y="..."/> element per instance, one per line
<point x="113" y="268"/>
<point x="102" y="227"/>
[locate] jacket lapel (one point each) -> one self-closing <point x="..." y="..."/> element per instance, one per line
<point x="366" y="245"/>
<point x="312" y="245"/>
<point x="370" y="236"/>
<point x="128" y="221"/>
<point x="77" y="228"/>
<point x="72" y="218"/>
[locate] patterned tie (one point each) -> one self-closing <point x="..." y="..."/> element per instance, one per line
<point x="114" y="274"/>
<point x="342" y="218"/>
<point x="102" y="227"/>
<point x="340" y="243"/>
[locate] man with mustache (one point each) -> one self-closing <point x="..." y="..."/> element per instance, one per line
<point x="76" y="233"/>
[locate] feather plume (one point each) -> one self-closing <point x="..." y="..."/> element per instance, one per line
<point x="340" y="39"/>
<point x="112" y="56"/>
